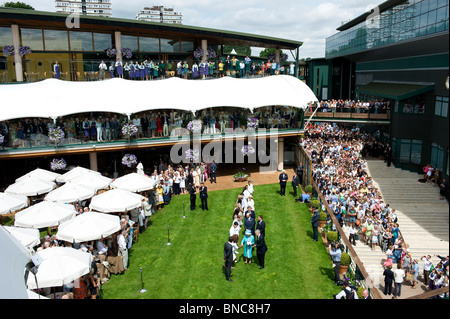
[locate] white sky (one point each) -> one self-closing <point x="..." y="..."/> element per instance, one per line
<point x="308" y="21"/>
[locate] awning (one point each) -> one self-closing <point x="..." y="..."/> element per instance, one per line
<point x="52" y="98"/>
<point x="394" y="90"/>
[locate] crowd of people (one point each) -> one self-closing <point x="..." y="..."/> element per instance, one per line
<point x="432" y="175"/>
<point x="247" y="231"/>
<point x="202" y="69"/>
<point x="357" y="106"/>
<point x="105" y="127"/>
<point x="341" y="175"/>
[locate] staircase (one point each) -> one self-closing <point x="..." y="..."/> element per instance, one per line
<point x="422" y="217"/>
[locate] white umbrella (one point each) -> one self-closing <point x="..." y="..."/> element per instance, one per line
<point x="40" y="173"/>
<point x="70" y="192"/>
<point x="88" y="226"/>
<point x="95" y="180"/>
<point x="75" y="172"/>
<point x="134" y="182"/>
<point x="30" y="186"/>
<point x="44" y="214"/>
<point x="115" y="200"/>
<point x="10" y="202"/>
<point x="33" y="295"/>
<point x="29" y="237"/>
<point x="13" y="260"/>
<point x="59" y="266"/>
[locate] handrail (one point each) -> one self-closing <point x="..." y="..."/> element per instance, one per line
<point x="431" y="293"/>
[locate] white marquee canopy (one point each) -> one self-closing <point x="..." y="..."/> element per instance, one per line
<point x="52" y="98"/>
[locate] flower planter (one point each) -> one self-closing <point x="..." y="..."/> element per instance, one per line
<point x="240" y="179"/>
<point x="343" y="269"/>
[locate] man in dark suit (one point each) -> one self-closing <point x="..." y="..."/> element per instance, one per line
<point x="315" y="223"/>
<point x="249" y="223"/>
<point x="228" y="258"/>
<point x="251" y="211"/>
<point x="261" y="248"/>
<point x="261" y="225"/>
<point x="300" y="174"/>
<point x="204" y="196"/>
<point x="213" y="171"/>
<point x="193" y="196"/>
<point x="295" y="183"/>
<point x="283" y="179"/>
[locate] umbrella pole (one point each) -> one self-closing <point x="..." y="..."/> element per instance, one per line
<point x="142" y="284"/>
<point x="168" y="237"/>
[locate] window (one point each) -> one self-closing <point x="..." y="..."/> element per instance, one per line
<point x="130" y="42"/>
<point x="80" y="41"/>
<point x="102" y="41"/>
<point x="56" y="40"/>
<point x="168" y="45"/>
<point x="187" y="46"/>
<point x="441" y="106"/>
<point x="409" y="151"/>
<point x="437" y="156"/>
<point x="32" y="38"/>
<point x="5" y="37"/>
<point x="148" y="44"/>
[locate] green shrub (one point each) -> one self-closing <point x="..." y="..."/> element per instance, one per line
<point x="345" y="259"/>
<point x="360" y="292"/>
<point x="332" y="236"/>
<point x="308" y="189"/>
<point x="323" y="216"/>
<point x="315" y="203"/>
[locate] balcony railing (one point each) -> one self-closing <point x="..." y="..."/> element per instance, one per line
<point x="350" y="113"/>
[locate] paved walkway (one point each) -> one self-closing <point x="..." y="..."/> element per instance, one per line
<point x="423" y="220"/>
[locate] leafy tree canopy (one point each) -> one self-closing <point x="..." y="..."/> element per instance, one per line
<point x="19" y="5"/>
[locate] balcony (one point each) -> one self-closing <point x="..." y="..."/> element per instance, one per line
<point x="350" y="115"/>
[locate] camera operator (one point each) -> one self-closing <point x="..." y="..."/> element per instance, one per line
<point x="335" y="253"/>
<point x="348" y="292"/>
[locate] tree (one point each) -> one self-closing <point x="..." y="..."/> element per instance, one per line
<point x="240" y="50"/>
<point x="269" y="54"/>
<point x="19" y="5"/>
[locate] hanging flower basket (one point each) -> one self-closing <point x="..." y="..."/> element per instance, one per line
<point x="24" y="50"/>
<point x="211" y="54"/>
<point x="247" y="149"/>
<point x="127" y="53"/>
<point x="195" y="126"/>
<point x="111" y="52"/>
<point x="193" y="155"/>
<point x="129" y="160"/>
<point x="8" y="50"/>
<point x="198" y="54"/>
<point x="56" y="135"/>
<point x="58" y="164"/>
<point x="252" y="123"/>
<point x="128" y="130"/>
<point x="2" y="139"/>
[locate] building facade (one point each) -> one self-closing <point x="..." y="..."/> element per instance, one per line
<point x="160" y="14"/>
<point x="100" y="8"/>
<point x="399" y="52"/>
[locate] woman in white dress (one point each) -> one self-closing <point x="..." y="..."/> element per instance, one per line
<point x="235" y="248"/>
<point x="182" y="182"/>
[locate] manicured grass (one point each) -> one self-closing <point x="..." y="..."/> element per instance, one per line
<point x="192" y="267"/>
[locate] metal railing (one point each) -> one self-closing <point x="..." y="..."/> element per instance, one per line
<point x="351" y="113"/>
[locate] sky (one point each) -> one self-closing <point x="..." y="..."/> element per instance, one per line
<point x="309" y="21"/>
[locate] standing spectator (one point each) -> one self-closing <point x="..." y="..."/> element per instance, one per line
<point x="335" y="253"/>
<point x="300" y="174"/>
<point x="352" y="234"/>
<point x="315" y="223"/>
<point x="123" y="251"/>
<point x="261" y="225"/>
<point x="388" y="280"/>
<point x="193" y="196"/>
<point x="415" y="273"/>
<point x="443" y="188"/>
<point x="283" y="179"/>
<point x="228" y="257"/>
<point x="295" y="183"/>
<point x="426" y="268"/>
<point x="399" y="275"/>
<point x="204" y="196"/>
<point x="213" y="172"/>
<point x="102" y="68"/>
<point x="261" y="248"/>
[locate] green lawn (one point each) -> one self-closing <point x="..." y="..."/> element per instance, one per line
<point x="192" y="267"/>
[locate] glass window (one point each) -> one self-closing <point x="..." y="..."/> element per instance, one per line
<point x="441" y="106"/>
<point x="410" y="150"/>
<point x="168" y="45"/>
<point x="80" y="41"/>
<point x="32" y="38"/>
<point x="423" y="20"/>
<point x="148" y="44"/>
<point x="437" y="156"/>
<point x="5" y="37"/>
<point x="130" y="42"/>
<point x="416" y="151"/>
<point x="432" y="17"/>
<point x="187" y="46"/>
<point x="405" y="150"/>
<point x="433" y="4"/>
<point x="102" y="41"/>
<point x="56" y="40"/>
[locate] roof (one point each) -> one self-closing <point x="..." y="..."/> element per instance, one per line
<point x="395" y="90"/>
<point x="35" y="18"/>
<point x="52" y="98"/>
